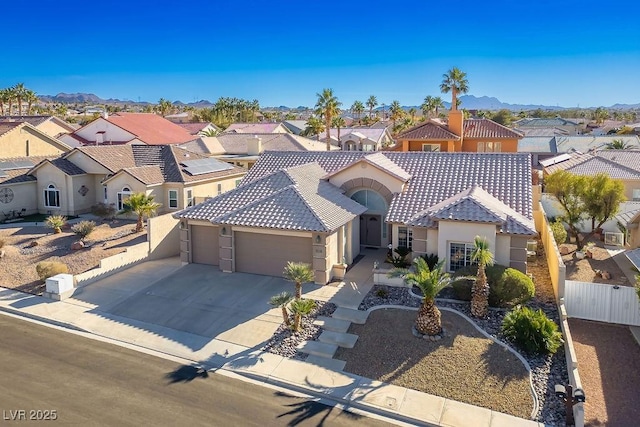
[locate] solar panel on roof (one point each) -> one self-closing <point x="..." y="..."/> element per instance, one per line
<point x="202" y="166"/>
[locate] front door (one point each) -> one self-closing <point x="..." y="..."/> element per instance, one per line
<point x="370" y="230"/>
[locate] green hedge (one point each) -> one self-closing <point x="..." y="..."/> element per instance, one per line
<point x="532" y="331"/>
<point x="507" y="286"/>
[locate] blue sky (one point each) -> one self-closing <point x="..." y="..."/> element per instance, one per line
<point x="567" y="53"/>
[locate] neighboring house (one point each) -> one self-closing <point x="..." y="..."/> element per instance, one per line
<point x="243" y="149"/>
<point x="296" y="127"/>
<point x="542" y="148"/>
<point x="322" y="207"/>
<point x="51" y="125"/>
<point x="599" y="129"/>
<point x="528" y="126"/>
<point x="360" y="138"/>
<point x="129" y="128"/>
<point x="21" y="139"/>
<point x="471" y="135"/>
<point x="200" y="128"/>
<point x="70" y="184"/>
<point x="178" y="118"/>
<point x="256" y="128"/>
<point x="18" y="189"/>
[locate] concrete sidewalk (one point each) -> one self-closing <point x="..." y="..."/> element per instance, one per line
<point x="344" y="388"/>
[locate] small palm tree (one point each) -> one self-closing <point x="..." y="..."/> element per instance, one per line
<point x="315" y="126"/>
<point x="299" y="273"/>
<point x="430" y="282"/>
<point x="282" y="300"/>
<point x="338" y="123"/>
<point x="618" y="144"/>
<point x="480" y="291"/>
<point x="301" y="307"/>
<point x="372" y="103"/>
<point x="142" y="205"/>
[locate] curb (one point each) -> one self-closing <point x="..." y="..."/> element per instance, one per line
<point x="41" y="319"/>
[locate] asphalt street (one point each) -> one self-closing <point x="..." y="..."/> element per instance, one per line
<point x="48" y="373"/>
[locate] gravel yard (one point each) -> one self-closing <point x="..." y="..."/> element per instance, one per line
<point x="464" y="366"/>
<point x="583" y="270"/>
<point x="17" y="268"/>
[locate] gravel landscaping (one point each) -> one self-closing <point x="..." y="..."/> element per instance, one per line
<point x="584" y="270"/>
<point x="284" y="341"/>
<point x="464" y="365"/>
<point x="17" y="268"/>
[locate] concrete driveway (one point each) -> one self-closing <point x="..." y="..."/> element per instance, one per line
<point x="197" y="299"/>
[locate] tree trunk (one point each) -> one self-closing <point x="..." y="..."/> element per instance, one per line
<point x="297" y="318"/>
<point x="429" y="318"/>
<point x="298" y="290"/>
<point x="328" y="132"/>
<point x="139" y="224"/>
<point x="285" y="316"/>
<point x="480" y="298"/>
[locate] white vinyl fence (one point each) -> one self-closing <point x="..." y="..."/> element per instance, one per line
<point x="601" y="302"/>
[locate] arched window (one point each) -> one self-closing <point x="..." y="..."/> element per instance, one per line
<point x="51" y="197"/>
<point x="123" y="195"/>
<point x="372" y="200"/>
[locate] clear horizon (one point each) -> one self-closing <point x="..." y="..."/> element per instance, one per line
<point x="573" y="54"/>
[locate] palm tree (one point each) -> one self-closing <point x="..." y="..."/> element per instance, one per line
<point x="454" y="81"/>
<point x="618" y="144"/>
<point x="438" y="103"/>
<point x="600" y="114"/>
<point x="299" y="273"/>
<point x="282" y="300"/>
<point x="396" y="112"/>
<point x="372" y="103"/>
<point x="301" y="307"/>
<point x="430" y="282"/>
<point x="19" y="93"/>
<point x="315" y="126"/>
<point x="164" y="107"/>
<point x="427" y="106"/>
<point x="338" y="122"/>
<point x="482" y="256"/>
<point x="210" y="132"/>
<point x="9" y="96"/>
<point x="327" y="107"/>
<point x="412" y="114"/>
<point x="31" y="98"/>
<point x="357" y="108"/>
<point x="142" y="205"/>
<point x="4" y="97"/>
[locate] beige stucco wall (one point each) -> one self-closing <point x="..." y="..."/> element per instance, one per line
<point x="24" y="197"/>
<point x="87" y="164"/>
<point x="48" y="174"/>
<point x="81" y="204"/>
<point x="163" y="235"/>
<point x="502" y="250"/>
<point x="51" y="128"/>
<point x="111" y="132"/>
<point x="460" y="232"/>
<point x="629" y="186"/>
<point x="364" y="170"/>
<point x="23" y="141"/>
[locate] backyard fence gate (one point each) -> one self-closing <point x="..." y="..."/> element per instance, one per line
<point x="602" y="302"/>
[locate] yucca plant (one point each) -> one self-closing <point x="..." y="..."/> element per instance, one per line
<point x="301" y="307"/>
<point x="56" y="222"/>
<point x="282" y="300"/>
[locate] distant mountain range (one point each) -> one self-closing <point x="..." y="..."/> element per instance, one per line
<point x="469" y="102"/>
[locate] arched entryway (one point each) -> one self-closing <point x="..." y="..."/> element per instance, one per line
<point x="373" y="230"/>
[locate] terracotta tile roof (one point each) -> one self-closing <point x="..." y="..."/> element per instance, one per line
<point x="485" y="128"/>
<point x="435" y="177"/>
<point x="151" y="128"/>
<point x="112" y="157"/>
<point x="292" y="199"/>
<point x="429" y="131"/>
<point x="147" y="175"/>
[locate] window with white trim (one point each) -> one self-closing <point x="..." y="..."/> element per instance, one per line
<point x="123" y="195"/>
<point x="405" y="237"/>
<point x="51" y="197"/>
<point x="489" y="147"/>
<point x="189" y="198"/>
<point x="459" y="255"/>
<point x="173" y="199"/>
<point x="430" y="147"/>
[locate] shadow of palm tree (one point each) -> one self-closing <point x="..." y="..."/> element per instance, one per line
<point x="306" y="409"/>
<point x="186" y="373"/>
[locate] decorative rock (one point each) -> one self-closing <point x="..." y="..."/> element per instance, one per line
<point x="77" y="245"/>
<point x="564" y="250"/>
<point x="606" y="275"/>
<point x="33" y="244"/>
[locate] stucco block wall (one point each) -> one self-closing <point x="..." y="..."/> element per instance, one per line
<point x="519" y="253"/>
<point x="226" y="249"/>
<point x="164" y="237"/>
<point x="22" y="142"/>
<point x="77" y="184"/>
<point x="502" y="250"/>
<point x="24" y="197"/>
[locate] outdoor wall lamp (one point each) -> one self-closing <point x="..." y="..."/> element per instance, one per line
<point x="375" y="265"/>
<point x="224" y="231"/>
<point x="318" y="239"/>
<point x="570" y="398"/>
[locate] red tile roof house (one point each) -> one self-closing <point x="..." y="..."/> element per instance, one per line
<point x="72" y="183"/>
<point x="129" y="128"/>
<point x="322" y="207"/>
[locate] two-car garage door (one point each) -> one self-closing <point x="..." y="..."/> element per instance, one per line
<point x="268" y="253"/>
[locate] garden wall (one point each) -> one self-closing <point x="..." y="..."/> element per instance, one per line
<point x="557" y="269"/>
<point x="572" y="364"/>
<point x="163" y="235"/>
<point x="110" y="265"/>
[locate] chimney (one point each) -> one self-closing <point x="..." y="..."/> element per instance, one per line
<point x="254" y="146"/>
<point x="455" y="125"/>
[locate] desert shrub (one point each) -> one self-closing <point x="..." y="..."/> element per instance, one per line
<point x="399" y="262"/>
<point x="103" y="210"/>
<point x="431" y="260"/>
<point x="532" y="331"/>
<point x="559" y="232"/>
<point x="462" y="289"/>
<point x="83" y="228"/>
<point x="46" y="269"/>
<point x="513" y="287"/>
<point x="382" y="293"/>
<point x="56" y="222"/>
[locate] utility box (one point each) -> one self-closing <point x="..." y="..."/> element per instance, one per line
<point x="59" y="286"/>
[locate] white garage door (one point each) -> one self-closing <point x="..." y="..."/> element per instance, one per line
<point x="204" y="245"/>
<point x="268" y="254"/>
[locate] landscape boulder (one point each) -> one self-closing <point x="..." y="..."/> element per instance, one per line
<point x="75" y="246"/>
<point x="33" y="244"/>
